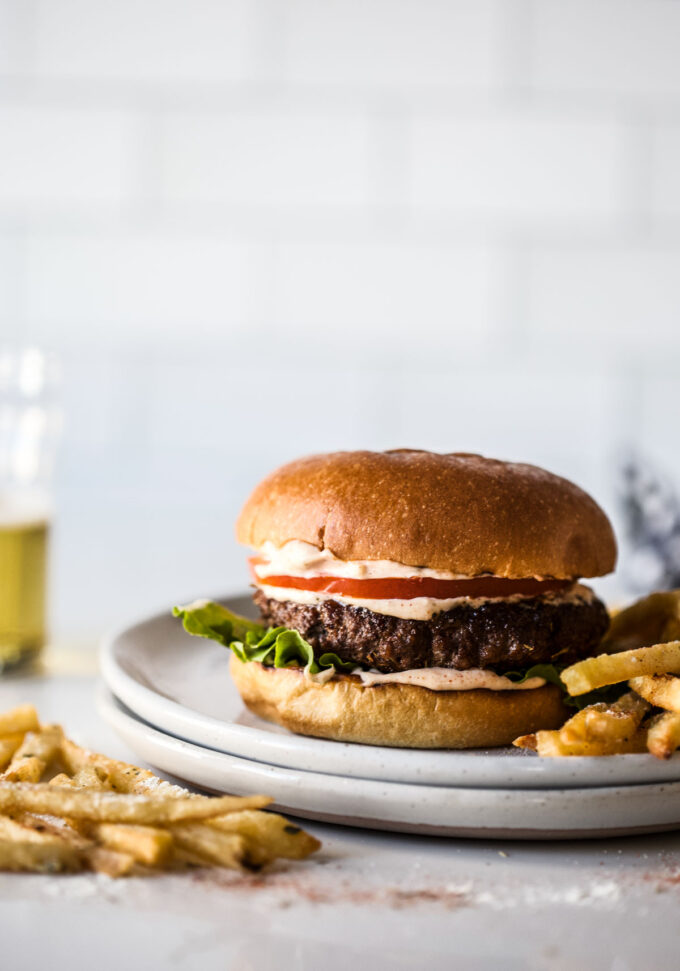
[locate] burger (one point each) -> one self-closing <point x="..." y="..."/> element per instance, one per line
<point x="414" y="599"/>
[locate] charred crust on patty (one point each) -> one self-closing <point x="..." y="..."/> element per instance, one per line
<point x="499" y="634"/>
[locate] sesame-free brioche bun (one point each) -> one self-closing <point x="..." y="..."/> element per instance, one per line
<point x="457" y="512"/>
<point x="398" y="715"/>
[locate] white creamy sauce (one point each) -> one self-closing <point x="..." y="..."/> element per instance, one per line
<point x="298" y="559"/>
<point x="418" y="608"/>
<point x="446" y="679"/>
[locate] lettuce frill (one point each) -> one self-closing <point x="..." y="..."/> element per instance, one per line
<point x="277" y="647"/>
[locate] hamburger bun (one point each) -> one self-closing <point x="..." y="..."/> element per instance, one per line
<point x="457" y="512"/>
<point x="397" y="715"/>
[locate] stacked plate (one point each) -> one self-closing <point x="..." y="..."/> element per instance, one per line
<point x="170" y="697"/>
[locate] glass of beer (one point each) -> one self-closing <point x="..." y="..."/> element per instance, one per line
<point x="30" y="421"/>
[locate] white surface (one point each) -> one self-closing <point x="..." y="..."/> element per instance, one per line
<point x="368" y="900"/>
<point x="181" y="685"/>
<point x="427" y="810"/>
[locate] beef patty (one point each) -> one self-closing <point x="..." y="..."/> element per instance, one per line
<point x="504" y="635"/>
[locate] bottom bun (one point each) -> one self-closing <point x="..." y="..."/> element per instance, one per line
<point x="398" y="715"/>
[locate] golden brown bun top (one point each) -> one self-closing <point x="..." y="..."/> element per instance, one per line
<point x="457" y="512"/>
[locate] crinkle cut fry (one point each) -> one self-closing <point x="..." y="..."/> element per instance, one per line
<point x="661" y="690"/>
<point x="663" y="736"/>
<point x="598" y="729"/>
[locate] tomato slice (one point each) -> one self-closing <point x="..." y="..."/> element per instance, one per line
<point x="408" y="588"/>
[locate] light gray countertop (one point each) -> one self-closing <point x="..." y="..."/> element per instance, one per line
<point x="368" y="900"/>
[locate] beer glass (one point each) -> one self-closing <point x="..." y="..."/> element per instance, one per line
<point x="30" y="422"/>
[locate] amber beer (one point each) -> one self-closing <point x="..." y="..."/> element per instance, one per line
<point x="23" y="561"/>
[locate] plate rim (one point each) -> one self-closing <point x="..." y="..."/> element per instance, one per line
<point x="113" y="711"/>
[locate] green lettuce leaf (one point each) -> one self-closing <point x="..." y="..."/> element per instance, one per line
<point x="276" y="647"/>
<point x="553" y="674"/>
<point x="546" y="671"/>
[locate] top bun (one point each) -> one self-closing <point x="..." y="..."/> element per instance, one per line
<point x="458" y="512"/>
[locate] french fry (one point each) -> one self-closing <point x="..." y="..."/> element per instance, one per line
<point x="24" y="718"/>
<point x="631" y="703"/>
<point x="146" y="844"/>
<point x="527" y="741"/>
<point x="112" y="863"/>
<point x="91" y="778"/>
<point x="663" y="735"/>
<point x="653" y="620"/>
<point x="27" y="769"/>
<point x="119" y="776"/>
<point x="56" y="827"/>
<point x="182" y="858"/>
<point x="606" y="669"/>
<point x="29" y="828"/>
<point x="143" y="844"/>
<point x="112" y="807"/>
<point x="599" y="720"/>
<point x="37" y="750"/>
<point x="267" y="835"/>
<point x="50" y="856"/>
<point x="108" y="848"/>
<point x="210" y="846"/>
<point x="619" y="720"/>
<point x="76" y="850"/>
<point x="43" y="743"/>
<point x="35" y="845"/>
<point x="100" y="858"/>
<point x="87" y="778"/>
<point x="576" y="726"/>
<point x="599" y="729"/>
<point x="552" y="744"/>
<point x="662" y="690"/>
<point x="8" y="746"/>
<point x="100" y="814"/>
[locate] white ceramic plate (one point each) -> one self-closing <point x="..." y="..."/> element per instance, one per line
<point x="428" y="810"/>
<point x="181" y="685"/>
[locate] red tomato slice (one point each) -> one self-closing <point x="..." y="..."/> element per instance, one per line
<point x="408" y="588"/>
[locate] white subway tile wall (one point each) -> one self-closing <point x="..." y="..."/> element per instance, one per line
<point x="406" y="44"/>
<point x="131" y="288"/>
<point x="55" y="160"/>
<point x="521" y="166"/>
<point x="271" y="158"/>
<point x="607" y="47"/>
<point x="171" y="41"/>
<point x="416" y="299"/>
<point x="607" y="300"/>
<point x="665" y="186"/>
<point x="258" y="228"/>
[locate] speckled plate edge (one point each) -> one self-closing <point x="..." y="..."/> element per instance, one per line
<point x="428" y="810"/>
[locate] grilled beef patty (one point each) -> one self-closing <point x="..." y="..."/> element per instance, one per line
<point x="504" y="635"/>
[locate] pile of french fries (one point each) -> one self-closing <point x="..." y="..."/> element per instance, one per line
<point x="643" y="655"/>
<point x="63" y="808"/>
